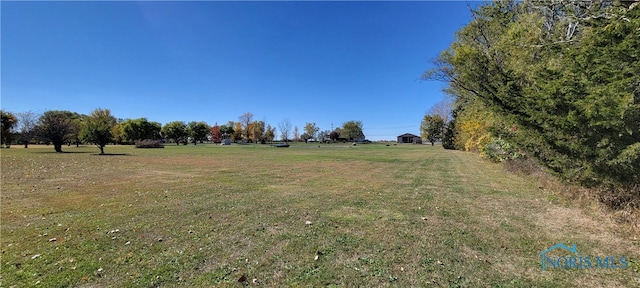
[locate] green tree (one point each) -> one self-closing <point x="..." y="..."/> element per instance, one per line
<point x="227" y="130"/>
<point x="97" y="128"/>
<point x="8" y="122"/>
<point x="57" y="127"/>
<point x="77" y="122"/>
<point x="432" y="128"/>
<point x="352" y="130"/>
<point x="198" y="131"/>
<point x="310" y="131"/>
<point x="561" y="79"/>
<point x="270" y="133"/>
<point x="175" y="130"/>
<point x="132" y="130"/>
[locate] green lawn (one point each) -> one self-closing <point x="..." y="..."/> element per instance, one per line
<point x="309" y="215"/>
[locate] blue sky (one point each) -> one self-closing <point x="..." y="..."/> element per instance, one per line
<point x="322" y="62"/>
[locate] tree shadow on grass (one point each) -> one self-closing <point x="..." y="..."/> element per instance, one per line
<point x="64" y="152"/>
<point x="111" y="154"/>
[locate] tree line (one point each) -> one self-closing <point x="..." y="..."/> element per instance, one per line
<point x="102" y="128"/>
<point x="554" y="81"/>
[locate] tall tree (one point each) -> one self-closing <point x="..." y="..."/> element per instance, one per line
<point x="227" y="130"/>
<point x="311" y="130"/>
<point x="175" y="130"/>
<point x="285" y="129"/>
<point x="8" y="122"/>
<point x="27" y="126"/>
<point x="56" y="127"/>
<point x="132" y="130"/>
<point x="270" y="133"/>
<point x="352" y="130"/>
<point x="443" y="109"/>
<point x="198" y="131"/>
<point x="561" y="78"/>
<point x="77" y="120"/>
<point x="432" y="128"/>
<point x="246" y="120"/>
<point x="296" y="134"/>
<point x="97" y="128"/>
<point x="216" y="134"/>
<point x="237" y="132"/>
<point x="116" y="131"/>
<point x="257" y="131"/>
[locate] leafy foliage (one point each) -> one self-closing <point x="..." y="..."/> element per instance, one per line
<point x="175" y="130"/>
<point x="216" y="135"/>
<point x="8" y="121"/>
<point x="352" y="130"/>
<point x="499" y="150"/>
<point x="133" y="130"/>
<point x="270" y="133"/>
<point x="565" y="75"/>
<point x="257" y="131"/>
<point x="97" y="128"/>
<point x="310" y="131"/>
<point x="432" y="128"/>
<point x="197" y="131"/>
<point x="57" y="127"/>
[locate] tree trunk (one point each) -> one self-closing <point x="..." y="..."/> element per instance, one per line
<point x="57" y="147"/>
<point x="101" y="150"/>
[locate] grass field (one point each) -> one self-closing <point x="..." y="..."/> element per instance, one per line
<point x="309" y="215"/>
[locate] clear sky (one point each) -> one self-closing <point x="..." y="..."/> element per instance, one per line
<point x="322" y="62"/>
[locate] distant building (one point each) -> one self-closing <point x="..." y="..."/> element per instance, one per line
<point x="409" y="138"/>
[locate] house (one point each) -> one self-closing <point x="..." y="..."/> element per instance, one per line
<point x="409" y="138"/>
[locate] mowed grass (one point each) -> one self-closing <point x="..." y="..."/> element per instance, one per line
<point x="309" y="215"/>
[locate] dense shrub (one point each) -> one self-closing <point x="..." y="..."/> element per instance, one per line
<point x="620" y="197"/>
<point x="148" y="143"/>
<point x="499" y="150"/>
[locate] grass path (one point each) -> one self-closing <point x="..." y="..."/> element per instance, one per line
<point x="371" y="215"/>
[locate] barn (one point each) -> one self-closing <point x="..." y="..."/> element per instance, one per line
<point x="409" y="138"/>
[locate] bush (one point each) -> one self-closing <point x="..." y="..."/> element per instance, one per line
<point x="619" y="197"/>
<point x="148" y="143"/>
<point x="524" y="166"/>
<point x="499" y="150"/>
